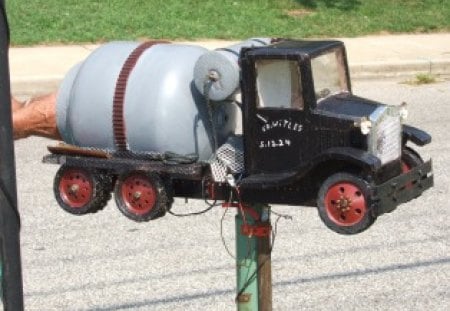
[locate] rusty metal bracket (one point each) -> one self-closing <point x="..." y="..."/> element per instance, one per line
<point x="257" y="230"/>
<point x="243" y="208"/>
<point x="244" y="298"/>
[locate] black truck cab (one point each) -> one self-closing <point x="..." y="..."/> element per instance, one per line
<point x="282" y="87"/>
<point x="308" y="138"/>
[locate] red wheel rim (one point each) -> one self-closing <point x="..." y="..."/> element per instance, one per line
<point x="405" y="167"/>
<point x="76" y="188"/>
<point x="345" y="204"/>
<point x="138" y="194"/>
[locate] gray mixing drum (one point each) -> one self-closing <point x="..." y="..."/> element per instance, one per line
<point x="126" y="96"/>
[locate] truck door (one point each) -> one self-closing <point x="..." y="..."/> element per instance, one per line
<point x="275" y="114"/>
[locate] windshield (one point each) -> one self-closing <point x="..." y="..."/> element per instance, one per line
<point x="329" y="74"/>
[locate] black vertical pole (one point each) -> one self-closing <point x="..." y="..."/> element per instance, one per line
<point x="9" y="215"/>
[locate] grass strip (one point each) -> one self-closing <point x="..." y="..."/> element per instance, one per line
<point x="77" y="21"/>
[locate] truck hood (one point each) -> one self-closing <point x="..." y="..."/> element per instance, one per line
<point x="346" y="104"/>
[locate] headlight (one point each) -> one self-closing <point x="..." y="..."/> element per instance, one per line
<point x="403" y="112"/>
<point x="365" y="125"/>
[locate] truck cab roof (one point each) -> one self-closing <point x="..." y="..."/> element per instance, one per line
<point x="305" y="48"/>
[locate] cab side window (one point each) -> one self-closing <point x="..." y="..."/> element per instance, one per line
<point x="278" y="84"/>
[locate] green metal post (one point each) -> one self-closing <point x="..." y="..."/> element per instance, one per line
<point x="246" y="266"/>
<point x="253" y="265"/>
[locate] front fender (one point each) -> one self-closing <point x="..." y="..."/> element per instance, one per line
<point x="353" y="156"/>
<point x="350" y="155"/>
<point x="415" y="135"/>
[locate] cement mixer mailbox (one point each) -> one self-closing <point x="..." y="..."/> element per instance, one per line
<point x="155" y="121"/>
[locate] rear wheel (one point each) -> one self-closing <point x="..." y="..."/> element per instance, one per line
<point x="344" y="204"/>
<point x="80" y="191"/>
<point x="141" y="196"/>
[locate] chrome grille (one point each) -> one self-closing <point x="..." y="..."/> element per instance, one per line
<point x="385" y="137"/>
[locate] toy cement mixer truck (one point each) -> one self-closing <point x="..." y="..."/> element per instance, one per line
<point x="265" y="121"/>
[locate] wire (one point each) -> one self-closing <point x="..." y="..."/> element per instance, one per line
<point x="191" y="214"/>
<point x="175" y="158"/>
<point x="221" y="234"/>
<point x="210" y="206"/>
<point x="285" y="216"/>
<point x="206" y="88"/>
<point x="241" y="207"/>
<point x="230" y="200"/>
<point x="168" y="157"/>
<point x="274" y="232"/>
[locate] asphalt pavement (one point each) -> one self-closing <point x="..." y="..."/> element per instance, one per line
<point x="104" y="261"/>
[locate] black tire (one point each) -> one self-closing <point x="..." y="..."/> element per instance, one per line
<point x="141" y="196"/>
<point x="344" y="204"/>
<point x="410" y="159"/>
<point x="80" y="191"/>
<point x="106" y="187"/>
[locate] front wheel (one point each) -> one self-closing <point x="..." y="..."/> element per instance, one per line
<point x="344" y="204"/>
<point x="410" y="159"/>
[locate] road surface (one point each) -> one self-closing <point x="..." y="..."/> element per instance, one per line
<point x="107" y="262"/>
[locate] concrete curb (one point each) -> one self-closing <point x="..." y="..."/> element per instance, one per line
<point x="37" y="85"/>
<point x="34" y="85"/>
<point x="399" y="69"/>
<point x="37" y="70"/>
